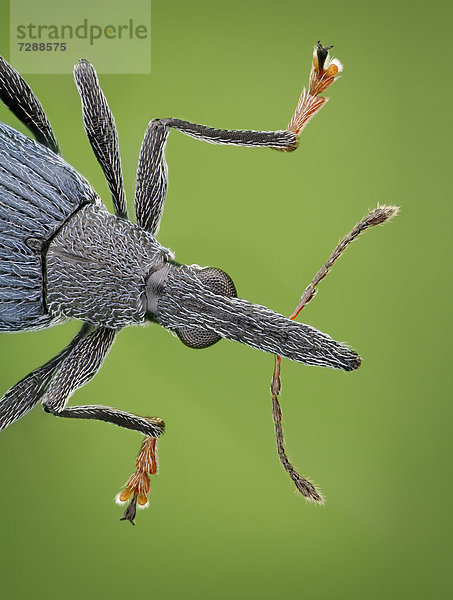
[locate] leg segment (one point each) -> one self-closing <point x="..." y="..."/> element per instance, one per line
<point x="28" y="392"/>
<point x="20" y="99"/>
<point x="279" y="140"/>
<point x="138" y="483"/>
<point x="101" y="131"/>
<point x="151" y="187"/>
<point x="149" y="426"/>
<point x="79" y="366"/>
<point x="152" y="169"/>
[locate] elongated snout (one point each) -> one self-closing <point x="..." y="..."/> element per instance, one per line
<point x="185" y="301"/>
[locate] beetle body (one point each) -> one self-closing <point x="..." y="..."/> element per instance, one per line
<point x="64" y="256"/>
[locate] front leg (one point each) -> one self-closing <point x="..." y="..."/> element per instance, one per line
<point x="81" y="365"/>
<point x="152" y="168"/>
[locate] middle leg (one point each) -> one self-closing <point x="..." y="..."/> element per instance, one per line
<point x="79" y="366"/>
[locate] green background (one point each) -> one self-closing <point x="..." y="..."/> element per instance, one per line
<point x="224" y="520"/>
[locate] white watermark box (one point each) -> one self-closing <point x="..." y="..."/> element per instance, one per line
<point x="50" y="36"/>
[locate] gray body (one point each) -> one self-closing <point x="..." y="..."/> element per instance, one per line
<point x="39" y="192"/>
<point x="63" y="255"/>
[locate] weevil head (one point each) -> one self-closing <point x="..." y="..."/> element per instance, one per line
<point x="208" y="279"/>
<point x="201" y="307"/>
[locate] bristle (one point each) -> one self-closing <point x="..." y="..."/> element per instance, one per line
<point x="307" y="107"/>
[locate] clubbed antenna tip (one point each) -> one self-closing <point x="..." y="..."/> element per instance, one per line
<point x="303" y="485"/>
<point x="381" y="214"/>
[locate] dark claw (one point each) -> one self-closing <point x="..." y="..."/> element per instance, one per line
<point x="129" y="513"/>
<point x="322" y="53"/>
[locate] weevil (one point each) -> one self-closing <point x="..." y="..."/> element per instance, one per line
<point x="63" y="256"/>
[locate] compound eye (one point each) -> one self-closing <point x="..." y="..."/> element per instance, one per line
<point x="197" y="337"/>
<point x="219" y="283"/>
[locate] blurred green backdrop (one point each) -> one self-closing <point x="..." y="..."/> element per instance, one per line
<point x="224" y="520"/>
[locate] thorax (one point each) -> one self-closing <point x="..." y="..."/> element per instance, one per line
<point x="96" y="269"/>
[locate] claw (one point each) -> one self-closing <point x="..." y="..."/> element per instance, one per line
<point x="129" y="513"/>
<point x="322" y="52"/>
<point x="324" y="70"/>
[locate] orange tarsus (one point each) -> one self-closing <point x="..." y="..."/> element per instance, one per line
<point x="138" y="484"/>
